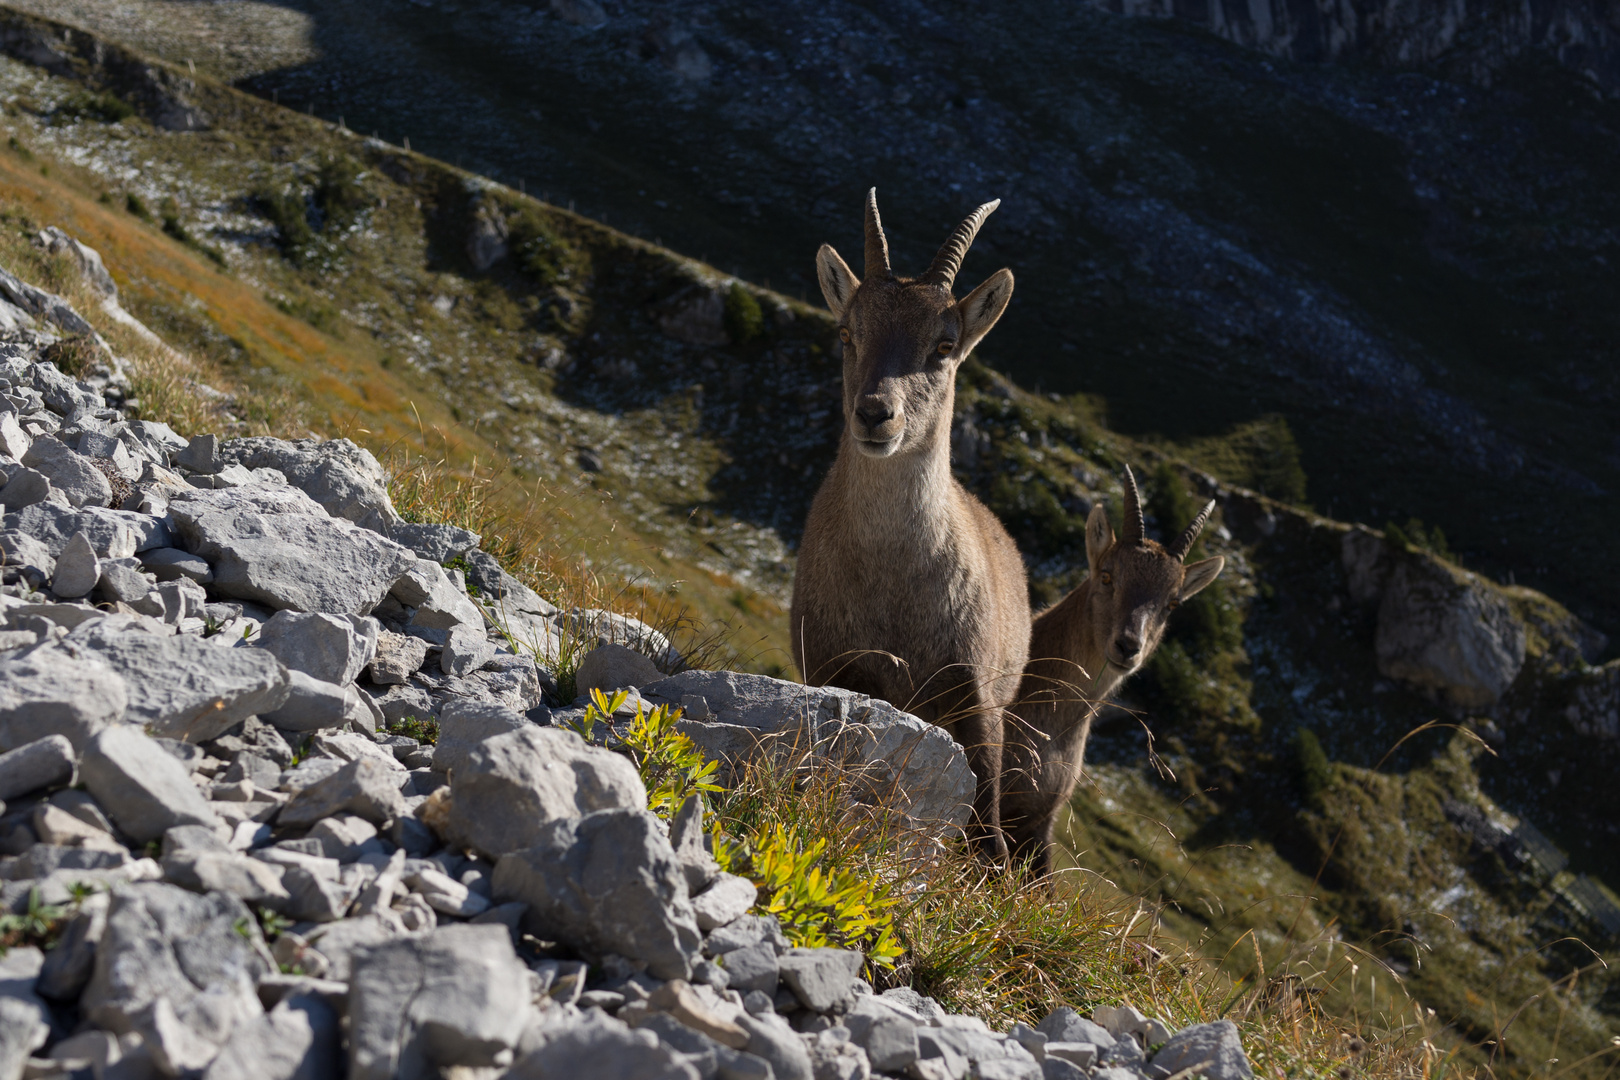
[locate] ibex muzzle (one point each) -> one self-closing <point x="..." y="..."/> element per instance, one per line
<point x="908" y="588"/>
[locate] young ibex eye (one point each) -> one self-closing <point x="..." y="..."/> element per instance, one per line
<point x="843" y="334"/>
<point x="947" y="347"/>
<point x="1106" y="577"/>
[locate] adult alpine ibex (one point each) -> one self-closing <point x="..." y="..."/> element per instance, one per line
<point x="908" y="588"/>
<point x="1081" y="649"/>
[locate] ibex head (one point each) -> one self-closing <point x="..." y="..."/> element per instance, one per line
<point x="1139" y="582"/>
<point x="905" y="337"/>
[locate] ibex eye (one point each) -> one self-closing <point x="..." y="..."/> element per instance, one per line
<point x="1106" y="578"/>
<point x="947" y="347"/>
<point x="843" y="334"/>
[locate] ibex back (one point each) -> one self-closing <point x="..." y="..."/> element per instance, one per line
<point x="1080" y="650"/>
<point x="908" y="588"/>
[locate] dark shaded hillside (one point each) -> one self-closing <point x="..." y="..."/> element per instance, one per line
<point x="1418" y="275"/>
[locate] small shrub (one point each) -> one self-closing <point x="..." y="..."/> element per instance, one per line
<point x="671" y="766"/>
<point x="1315" y="771"/>
<point x="744" y="319"/>
<point x="109" y="108"/>
<point x="73" y="355"/>
<point x="539" y="252"/>
<point x="287" y="209"/>
<point x="38" y="924"/>
<point x="818" y="905"/>
<point x="423" y="731"/>
<point x="1414" y="535"/>
<point x="137" y="206"/>
<point x="340" y="192"/>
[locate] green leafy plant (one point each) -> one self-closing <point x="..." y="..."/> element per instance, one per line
<point x="671" y="765"/>
<point x="1315" y="771"/>
<point x="423" y="731"/>
<point x="1414" y="535"/>
<point x="816" y="903"/>
<point x="39" y="924"/>
<point x="273" y="923"/>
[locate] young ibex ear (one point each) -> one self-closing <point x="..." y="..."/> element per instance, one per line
<point x="980" y="309"/>
<point x="1200" y="574"/>
<point x="838" y="282"/>
<point x="1099" y="535"/>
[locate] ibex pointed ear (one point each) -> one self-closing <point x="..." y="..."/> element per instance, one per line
<point x="838" y="281"/>
<point x="1199" y="575"/>
<point x="1099" y="535"/>
<point x="980" y="309"/>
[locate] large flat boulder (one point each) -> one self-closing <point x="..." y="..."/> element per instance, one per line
<point x="180" y="686"/>
<point x="345" y="479"/>
<point x="295" y="561"/>
<point x="1448" y="632"/>
<point x="895" y="758"/>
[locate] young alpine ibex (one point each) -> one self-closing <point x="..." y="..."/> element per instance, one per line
<point x="1081" y="649"/>
<point x="908" y="588"/>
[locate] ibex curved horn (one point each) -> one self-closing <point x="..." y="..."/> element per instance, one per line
<point x="942" y="271"/>
<point x="1135" y="529"/>
<point x="877" y="246"/>
<point x="1184" y="542"/>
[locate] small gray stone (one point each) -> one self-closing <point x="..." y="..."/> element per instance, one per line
<point x="1058" y="1069"/>
<point x="69" y="472"/>
<point x="346" y="837"/>
<point x="466" y="649"/>
<point x="1215" y="1050"/>
<point x="612" y="667"/>
<point x="770" y="1038"/>
<point x="299" y="1039"/>
<point x="398" y="657"/>
<point x="822" y="979"/>
<point x="141" y="787"/>
<point x="365" y="787"/>
<point x="508" y="789"/>
<point x="264" y="773"/>
<point x="726" y="900"/>
<point x="77" y="568"/>
<point x="68" y="966"/>
<point x="42" y="763"/>
<point x="171" y="563"/>
<point x="312" y="705"/>
<point x="888" y="1036"/>
<point x="120" y="580"/>
<point x="752" y="968"/>
<point x="746" y="931"/>
<point x="457" y="996"/>
<point x="1067" y="1026"/>
<point x="24" y="1020"/>
<point x="1083" y="1054"/>
<point x="686" y="837"/>
<point x="331" y="648"/>
<point x="599" y="1045"/>
<point x="607" y="882"/>
<point x="440" y="606"/>
<point x="201" y="455"/>
<point x="25" y="487"/>
<point x="253" y="881"/>
<point x="441" y="543"/>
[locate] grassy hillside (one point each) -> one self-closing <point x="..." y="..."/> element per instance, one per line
<point x="636" y="423"/>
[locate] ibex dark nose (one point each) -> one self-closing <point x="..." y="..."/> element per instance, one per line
<point x="1128" y="645"/>
<point x="874" y="411"/>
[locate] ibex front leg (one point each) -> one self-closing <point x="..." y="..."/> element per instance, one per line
<point x="980" y="730"/>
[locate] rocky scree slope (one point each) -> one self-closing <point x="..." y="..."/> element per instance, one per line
<point x="204" y="644"/>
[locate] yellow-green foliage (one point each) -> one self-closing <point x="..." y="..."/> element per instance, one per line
<point x="818" y="904"/>
<point x="672" y="767"/>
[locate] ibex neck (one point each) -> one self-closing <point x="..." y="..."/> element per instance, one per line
<point x="1066" y="636"/>
<point x="906" y="499"/>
